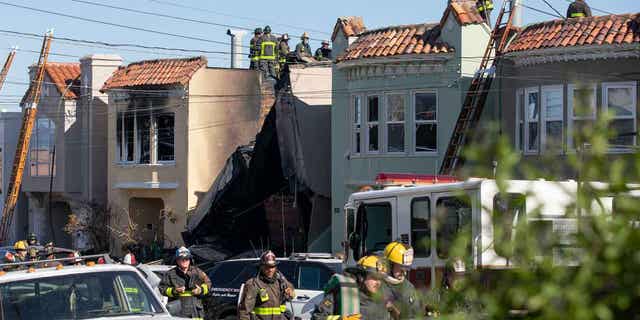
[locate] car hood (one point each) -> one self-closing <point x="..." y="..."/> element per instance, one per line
<point x="154" y="317"/>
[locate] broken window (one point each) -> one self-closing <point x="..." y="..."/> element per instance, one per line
<point x="373" y="118"/>
<point x="41" y="152"/>
<point x="165" y="131"/>
<point x="426" y="122"/>
<point x="395" y="123"/>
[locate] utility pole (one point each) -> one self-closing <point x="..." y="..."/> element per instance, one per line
<point x="7" y="66"/>
<point x="22" y="148"/>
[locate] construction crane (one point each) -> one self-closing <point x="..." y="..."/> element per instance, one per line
<point x="7" y="66"/>
<point x="30" y="105"/>
<point x="478" y="90"/>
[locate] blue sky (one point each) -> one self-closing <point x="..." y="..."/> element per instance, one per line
<point x="293" y="17"/>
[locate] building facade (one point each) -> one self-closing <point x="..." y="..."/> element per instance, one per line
<point x="65" y="172"/>
<point x="559" y="78"/>
<point x="9" y="128"/>
<point x="172" y="124"/>
<point x="397" y="92"/>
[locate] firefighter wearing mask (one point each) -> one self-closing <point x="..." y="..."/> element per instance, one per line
<point x="267" y="46"/>
<point x="188" y="284"/>
<point x="265" y="295"/>
<point x="578" y="9"/>
<point x="398" y="288"/>
<point x="357" y="295"/>
<point x="254" y="53"/>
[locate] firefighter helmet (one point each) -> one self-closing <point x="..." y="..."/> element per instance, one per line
<point x="268" y="258"/>
<point x="32" y="237"/>
<point x="305" y="35"/>
<point x="183" y="253"/>
<point x="372" y="264"/>
<point x="267" y="29"/>
<point x="257" y="31"/>
<point x="285" y="36"/>
<point x="399" y="253"/>
<point x="20" y="245"/>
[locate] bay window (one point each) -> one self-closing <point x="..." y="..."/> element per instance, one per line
<point x="356" y="124"/>
<point x="395" y="122"/>
<point x="581" y="107"/>
<point x="41" y="148"/>
<point x="426" y="121"/>
<point x="552" y="108"/>
<point x="532" y="120"/>
<point x="619" y="100"/>
<point x="373" y="124"/>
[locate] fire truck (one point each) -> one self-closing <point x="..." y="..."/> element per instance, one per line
<point x="431" y="215"/>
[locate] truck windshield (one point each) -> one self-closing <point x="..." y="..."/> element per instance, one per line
<point x="78" y="296"/>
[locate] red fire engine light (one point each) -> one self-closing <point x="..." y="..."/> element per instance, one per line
<point x="399" y="179"/>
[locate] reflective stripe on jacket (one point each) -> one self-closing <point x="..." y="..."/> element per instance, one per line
<point x="483" y="5"/>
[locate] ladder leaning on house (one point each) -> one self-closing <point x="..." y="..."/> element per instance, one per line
<point x="22" y="148"/>
<point x="6" y="67"/>
<point x="478" y="90"/>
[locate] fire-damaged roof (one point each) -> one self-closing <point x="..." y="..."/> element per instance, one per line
<point x="155" y="73"/>
<point x="65" y="76"/>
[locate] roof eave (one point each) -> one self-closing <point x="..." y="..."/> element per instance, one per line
<point x="436" y="58"/>
<point x="569" y="54"/>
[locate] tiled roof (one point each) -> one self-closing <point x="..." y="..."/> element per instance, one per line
<point x="155" y="73"/>
<point x="602" y="30"/>
<point x="464" y="11"/>
<point x="398" y="40"/>
<point x="350" y="26"/>
<point x="62" y="74"/>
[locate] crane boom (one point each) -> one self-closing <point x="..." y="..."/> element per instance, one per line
<point x="6" y="67"/>
<point x="22" y="148"/>
<point x="478" y="90"/>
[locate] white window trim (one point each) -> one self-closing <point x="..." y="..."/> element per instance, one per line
<point x="353" y="125"/>
<point x="605" y="107"/>
<point x="153" y="161"/>
<point x="378" y="123"/>
<point x="387" y="122"/>
<point x="571" y="118"/>
<point x="120" y="158"/>
<point x="520" y="121"/>
<point x="543" y="116"/>
<point x="526" y="149"/>
<point x="415" y="122"/>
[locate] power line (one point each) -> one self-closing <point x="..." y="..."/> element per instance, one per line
<point x="554" y="9"/>
<point x="538" y="10"/>
<point x="175" y="35"/>
<point x="171" y="3"/>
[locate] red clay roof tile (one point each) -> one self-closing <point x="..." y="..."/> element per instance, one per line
<point x="464" y="11"/>
<point x="350" y="26"/>
<point x="155" y="73"/>
<point x="601" y="30"/>
<point x="62" y="74"/>
<point x="397" y="40"/>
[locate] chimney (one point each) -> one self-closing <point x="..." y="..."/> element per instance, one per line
<point x="94" y="71"/>
<point x="236" y="47"/>
<point x="517" y="13"/>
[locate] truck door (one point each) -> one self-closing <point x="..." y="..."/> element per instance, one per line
<point x="374" y="227"/>
<point x="451" y="250"/>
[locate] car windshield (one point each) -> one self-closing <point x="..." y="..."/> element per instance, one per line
<point x="78" y="296"/>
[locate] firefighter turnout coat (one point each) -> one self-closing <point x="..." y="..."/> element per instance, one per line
<point x="191" y="304"/>
<point x="263" y="298"/>
<point x="405" y="297"/>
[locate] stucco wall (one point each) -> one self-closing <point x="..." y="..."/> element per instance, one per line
<point x="223" y="113"/>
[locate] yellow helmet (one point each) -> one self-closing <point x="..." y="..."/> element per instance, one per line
<point x="372" y="264"/>
<point x="20" y="245"/>
<point x="399" y="253"/>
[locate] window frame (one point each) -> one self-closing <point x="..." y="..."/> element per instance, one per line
<point x="385" y="122"/>
<point x="356" y="126"/>
<point x="605" y="108"/>
<point x="527" y="132"/>
<point x="571" y="118"/>
<point x="34" y="149"/>
<point x="520" y="126"/>
<point x="376" y="123"/>
<point x="544" y="147"/>
<point x="415" y="122"/>
<point x="429" y="230"/>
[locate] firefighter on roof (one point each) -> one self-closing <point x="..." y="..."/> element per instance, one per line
<point x="578" y="9"/>
<point x="324" y="52"/>
<point x="398" y="288"/>
<point x="485" y="7"/>
<point x="268" y="48"/>
<point x="254" y="53"/>
<point x="303" y="50"/>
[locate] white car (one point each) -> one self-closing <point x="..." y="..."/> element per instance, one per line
<point x="91" y="291"/>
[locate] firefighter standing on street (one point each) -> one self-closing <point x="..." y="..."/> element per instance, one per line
<point x="20" y="255"/>
<point x="485" y="7"/>
<point x="268" y="50"/>
<point x="341" y="302"/>
<point x="188" y="284"/>
<point x="324" y="52"/>
<point x="254" y="53"/>
<point x="578" y="9"/>
<point x="303" y="50"/>
<point x="402" y="293"/>
<point x="265" y="295"/>
<point x="283" y="50"/>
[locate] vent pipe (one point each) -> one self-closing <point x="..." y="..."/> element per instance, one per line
<point x="517" y="13"/>
<point x="236" y="47"/>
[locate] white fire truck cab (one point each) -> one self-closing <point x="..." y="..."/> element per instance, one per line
<point x="431" y="217"/>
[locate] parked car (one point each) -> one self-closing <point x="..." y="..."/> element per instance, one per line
<point x="79" y="291"/>
<point x="308" y="273"/>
